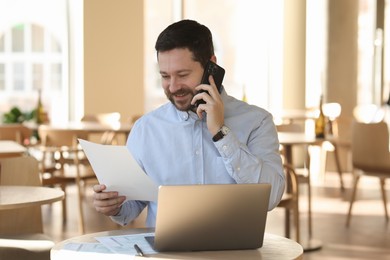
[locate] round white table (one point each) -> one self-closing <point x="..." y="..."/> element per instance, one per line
<point x="13" y="197"/>
<point x="274" y="247"/>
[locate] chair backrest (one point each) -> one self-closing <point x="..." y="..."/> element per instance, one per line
<point x="370" y="146"/>
<point x="108" y="137"/>
<point x="16" y="132"/>
<point x="51" y="137"/>
<point x="20" y="171"/>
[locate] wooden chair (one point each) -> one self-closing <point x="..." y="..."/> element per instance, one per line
<point x="63" y="162"/>
<point x="290" y="201"/>
<point x="108" y="137"/>
<point x="21" y="230"/>
<point x="299" y="168"/>
<point x="16" y="132"/>
<point x="370" y="157"/>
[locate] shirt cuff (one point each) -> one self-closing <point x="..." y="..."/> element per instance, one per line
<point x="228" y="145"/>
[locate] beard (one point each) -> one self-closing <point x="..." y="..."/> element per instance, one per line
<point x="181" y="104"/>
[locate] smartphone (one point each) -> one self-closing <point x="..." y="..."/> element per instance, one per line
<point x="217" y="72"/>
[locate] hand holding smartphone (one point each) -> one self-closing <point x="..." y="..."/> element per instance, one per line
<point x="217" y="72"/>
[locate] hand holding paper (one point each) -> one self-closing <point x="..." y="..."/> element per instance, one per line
<point x="115" y="167"/>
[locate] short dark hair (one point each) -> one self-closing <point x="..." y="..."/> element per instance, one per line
<point x="187" y="34"/>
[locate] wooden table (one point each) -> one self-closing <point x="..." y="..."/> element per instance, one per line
<point x="274" y="247"/>
<point x="90" y="127"/>
<point x="11" y="149"/>
<point x="13" y="197"/>
<point x="288" y="140"/>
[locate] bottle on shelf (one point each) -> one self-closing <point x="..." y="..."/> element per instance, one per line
<point x="320" y="122"/>
<point x="40" y="112"/>
<point x="40" y="118"/>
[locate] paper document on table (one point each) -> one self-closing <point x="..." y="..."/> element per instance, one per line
<point x="96" y="251"/>
<point x="124" y="244"/>
<point x="115" y="167"/>
<point x="87" y="247"/>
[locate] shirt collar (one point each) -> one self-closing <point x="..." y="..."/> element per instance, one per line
<point x="186" y="115"/>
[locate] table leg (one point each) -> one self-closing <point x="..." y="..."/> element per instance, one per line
<point x="338" y="166"/>
<point x="309" y="243"/>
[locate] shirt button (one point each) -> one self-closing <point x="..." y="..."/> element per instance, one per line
<point x="185" y="116"/>
<point x="225" y="147"/>
<point x="197" y="152"/>
<point x="238" y="169"/>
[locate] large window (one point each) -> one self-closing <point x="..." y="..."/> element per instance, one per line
<point x="31" y="59"/>
<point x="34" y="56"/>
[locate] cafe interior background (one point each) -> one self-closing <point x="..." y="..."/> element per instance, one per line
<point x="90" y="57"/>
<point x="98" y="56"/>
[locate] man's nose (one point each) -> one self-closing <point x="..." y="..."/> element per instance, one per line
<point x="174" y="85"/>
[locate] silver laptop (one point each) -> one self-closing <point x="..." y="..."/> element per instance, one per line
<point x="211" y="217"/>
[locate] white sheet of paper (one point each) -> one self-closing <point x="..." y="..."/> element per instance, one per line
<point x="95" y="251"/>
<point x="124" y="244"/>
<point x="115" y="167"/>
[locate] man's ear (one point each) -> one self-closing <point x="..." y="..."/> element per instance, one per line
<point x="213" y="59"/>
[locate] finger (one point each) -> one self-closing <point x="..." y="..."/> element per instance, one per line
<point x="212" y="82"/>
<point x="109" y="211"/>
<point x="116" y="201"/>
<point x="199" y="111"/>
<point x="215" y="92"/>
<point x="103" y="195"/>
<point x="99" y="187"/>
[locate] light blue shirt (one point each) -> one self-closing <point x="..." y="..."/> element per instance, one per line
<point x="175" y="148"/>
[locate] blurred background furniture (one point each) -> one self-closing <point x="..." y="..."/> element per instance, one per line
<point x="294" y="141"/>
<point x="21" y="228"/>
<point x="370" y="157"/>
<point x="107" y="137"/>
<point x="290" y="201"/>
<point x="11" y="149"/>
<point x="15" y="132"/>
<point x="64" y="163"/>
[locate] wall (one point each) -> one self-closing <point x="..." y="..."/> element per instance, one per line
<point x="113" y="57"/>
<point x="343" y="55"/>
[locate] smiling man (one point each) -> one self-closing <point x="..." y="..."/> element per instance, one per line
<point x="221" y="141"/>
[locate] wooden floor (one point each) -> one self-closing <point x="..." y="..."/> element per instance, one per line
<point x="368" y="237"/>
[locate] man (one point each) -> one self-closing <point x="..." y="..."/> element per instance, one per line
<point x="223" y="140"/>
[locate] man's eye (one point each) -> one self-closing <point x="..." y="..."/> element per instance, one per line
<point x="164" y="76"/>
<point x="183" y="75"/>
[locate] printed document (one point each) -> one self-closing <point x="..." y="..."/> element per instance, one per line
<point x="115" y="167"/>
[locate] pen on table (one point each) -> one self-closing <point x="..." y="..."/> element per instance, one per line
<point x="138" y="249"/>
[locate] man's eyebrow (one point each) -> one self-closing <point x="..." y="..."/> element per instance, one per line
<point x="177" y="72"/>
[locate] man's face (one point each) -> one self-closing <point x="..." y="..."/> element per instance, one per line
<point x="180" y="75"/>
